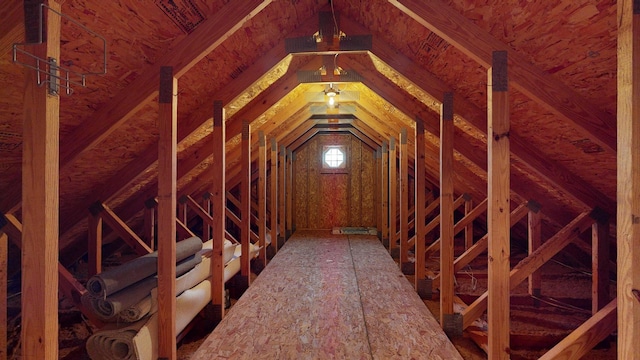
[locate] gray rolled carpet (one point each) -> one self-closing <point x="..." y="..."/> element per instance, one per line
<point x="118" y="278"/>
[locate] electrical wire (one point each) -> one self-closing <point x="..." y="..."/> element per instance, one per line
<point x="336" y="30"/>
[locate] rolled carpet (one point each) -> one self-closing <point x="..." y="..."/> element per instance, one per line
<point x="107" y="308"/>
<point x="119" y="277"/>
<point x="140" y="340"/>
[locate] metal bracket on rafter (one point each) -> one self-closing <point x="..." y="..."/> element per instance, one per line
<point x="49" y="71"/>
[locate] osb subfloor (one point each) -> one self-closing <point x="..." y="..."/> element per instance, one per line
<point x="329" y="296"/>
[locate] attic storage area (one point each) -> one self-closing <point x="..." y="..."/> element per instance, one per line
<point x="213" y="118"/>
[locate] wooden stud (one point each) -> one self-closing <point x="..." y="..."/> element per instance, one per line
<point x="206" y="205"/>
<point x="499" y="202"/>
<point x="94" y="245"/>
<point x="535" y="240"/>
<point x="218" y="202"/>
<point x="468" y="230"/>
<point x="289" y="193"/>
<point x="420" y="186"/>
<point x="273" y="209"/>
<point x="40" y="197"/>
<point x="377" y="195"/>
<point x="150" y="222"/>
<point x="262" y="196"/>
<point x="120" y="227"/>
<point x="393" y="195"/>
<point x="404" y="197"/>
<point x="282" y="184"/>
<point x="245" y="208"/>
<point x="385" y="191"/>
<point x="446" y="208"/>
<point x="4" y="239"/>
<point x="167" y="173"/>
<point x="600" y="263"/>
<point x="628" y="213"/>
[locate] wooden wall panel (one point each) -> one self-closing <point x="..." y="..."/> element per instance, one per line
<point x="326" y="198"/>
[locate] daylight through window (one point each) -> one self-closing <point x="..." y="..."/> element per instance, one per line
<point x="334" y="157"/>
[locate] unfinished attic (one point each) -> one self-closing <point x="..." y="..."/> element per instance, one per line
<point x="319" y="179"/>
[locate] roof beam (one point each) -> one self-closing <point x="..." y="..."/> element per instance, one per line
<point x="539" y="85"/>
<point x="12" y="24"/>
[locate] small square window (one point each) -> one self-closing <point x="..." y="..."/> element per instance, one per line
<point x="333" y="157"/>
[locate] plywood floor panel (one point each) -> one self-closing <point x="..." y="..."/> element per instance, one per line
<point x="327" y="296"/>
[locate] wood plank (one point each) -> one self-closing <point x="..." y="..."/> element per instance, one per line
<point x="121" y="228"/>
<point x="499" y="197"/>
<point x="245" y="205"/>
<point x="282" y="185"/>
<point x="289" y="211"/>
<point x="150" y="222"/>
<point x="206" y="37"/>
<point x="206" y="206"/>
<point x="628" y="212"/>
<point x="273" y="205"/>
<point x="533" y="262"/>
<point x="167" y="173"/>
<point x="262" y="196"/>
<point x="420" y="186"/>
<point x="446" y="208"/>
<point x="393" y="194"/>
<point x="219" y="207"/>
<point x="12" y="26"/>
<point x="460" y="225"/>
<point x="586" y="336"/>
<point x="4" y="239"/>
<point x="600" y="264"/>
<point x="385" y="191"/>
<point x="468" y="230"/>
<point x="534" y="238"/>
<point x="94" y="260"/>
<point x="40" y="198"/>
<point x="404" y="197"/>
<point x="540" y="86"/>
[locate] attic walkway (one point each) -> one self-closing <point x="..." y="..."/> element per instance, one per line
<point x="327" y="296"/>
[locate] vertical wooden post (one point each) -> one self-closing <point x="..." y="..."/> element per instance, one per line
<point x="393" y="196"/>
<point x="150" y="222"/>
<point x="378" y="191"/>
<point x="219" y="207"/>
<point x="468" y="230"/>
<point x="420" y="184"/>
<point x="167" y="173"/>
<point x="498" y="207"/>
<point x="40" y="195"/>
<point x="535" y="240"/>
<point x="273" y="209"/>
<point x="289" y="210"/>
<point x="385" y="193"/>
<point x="262" y="196"/>
<point x="628" y="216"/>
<point x="281" y="194"/>
<point x="446" y="215"/>
<point x="94" y="246"/>
<point x="206" y="205"/>
<point x="245" y="204"/>
<point x="600" y="261"/>
<point x="4" y="239"/>
<point x="404" y="198"/>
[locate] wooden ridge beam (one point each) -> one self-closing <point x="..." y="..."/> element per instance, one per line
<point x="540" y="86"/>
<point x="533" y="262"/>
<point x="628" y="178"/>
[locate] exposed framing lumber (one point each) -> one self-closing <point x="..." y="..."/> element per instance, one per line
<point x="273" y="204"/>
<point x="404" y="197"/>
<point x="468" y="230"/>
<point x="446" y="208"/>
<point x="460" y="225"/>
<point x="540" y="86"/>
<point x="393" y="194"/>
<point x="628" y="177"/>
<point x="206" y="206"/>
<point x="385" y="191"/>
<point x="245" y="206"/>
<point x="150" y="218"/>
<point x="282" y="184"/>
<point x="533" y="262"/>
<point x="95" y="245"/>
<point x="262" y="196"/>
<point x="4" y="239"/>
<point x="12" y="26"/>
<point x="219" y="207"/>
<point x="534" y="238"/>
<point x="377" y="194"/>
<point x="289" y="193"/>
<point x="498" y="194"/>
<point x="121" y="228"/>
<point x="40" y="196"/>
<point x="600" y="263"/>
<point x="167" y="201"/>
<point x="420" y="185"/>
<point x="586" y="336"/>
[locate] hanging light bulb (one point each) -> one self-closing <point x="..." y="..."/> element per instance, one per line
<point x="332" y="100"/>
